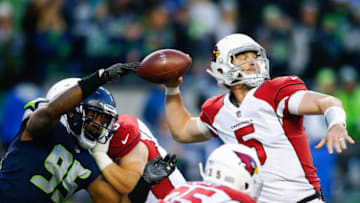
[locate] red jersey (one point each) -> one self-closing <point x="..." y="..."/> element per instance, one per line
<point x="130" y="131"/>
<point x="201" y="192"/>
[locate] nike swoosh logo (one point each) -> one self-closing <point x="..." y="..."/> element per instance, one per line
<point x="293" y="77"/>
<point x="125" y="140"/>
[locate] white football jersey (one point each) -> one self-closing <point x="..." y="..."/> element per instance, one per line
<point x="201" y="192"/>
<point x="262" y="122"/>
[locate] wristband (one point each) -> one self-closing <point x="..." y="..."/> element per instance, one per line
<point x="140" y="192"/>
<point x="335" y="115"/>
<point x="102" y="160"/>
<point x="90" y="83"/>
<point x="172" y="90"/>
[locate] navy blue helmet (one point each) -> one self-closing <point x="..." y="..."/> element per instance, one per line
<point x="92" y="120"/>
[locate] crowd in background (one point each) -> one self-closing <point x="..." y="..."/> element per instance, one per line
<point x="42" y="41"/>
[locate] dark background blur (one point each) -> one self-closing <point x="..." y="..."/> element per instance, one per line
<point x="43" y="41"/>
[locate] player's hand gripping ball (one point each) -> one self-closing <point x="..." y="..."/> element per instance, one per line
<point x="164" y="65"/>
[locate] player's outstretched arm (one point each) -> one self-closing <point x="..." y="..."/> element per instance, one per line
<point x="183" y="127"/>
<point x="310" y="103"/>
<point x="44" y="119"/>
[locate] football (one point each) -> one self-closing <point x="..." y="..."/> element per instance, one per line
<point x="164" y="65"/>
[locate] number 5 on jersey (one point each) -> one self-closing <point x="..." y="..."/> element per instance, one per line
<point x="241" y="132"/>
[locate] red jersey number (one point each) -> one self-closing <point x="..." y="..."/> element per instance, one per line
<point x="185" y="194"/>
<point x="240" y="133"/>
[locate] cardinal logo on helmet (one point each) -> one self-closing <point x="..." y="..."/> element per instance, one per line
<point x="250" y="164"/>
<point x="215" y="53"/>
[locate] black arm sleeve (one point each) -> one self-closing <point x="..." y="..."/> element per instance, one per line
<point x="140" y="192"/>
<point x="90" y="83"/>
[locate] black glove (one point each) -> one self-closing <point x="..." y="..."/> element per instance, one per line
<point x="159" y="168"/>
<point x="117" y="70"/>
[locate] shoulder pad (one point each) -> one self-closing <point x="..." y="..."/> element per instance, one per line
<point x="126" y="136"/>
<point x="211" y="107"/>
<point x="31" y="106"/>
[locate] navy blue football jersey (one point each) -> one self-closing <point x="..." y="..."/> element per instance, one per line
<point x="46" y="169"/>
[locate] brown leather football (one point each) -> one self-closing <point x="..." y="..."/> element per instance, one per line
<point x="164" y="65"/>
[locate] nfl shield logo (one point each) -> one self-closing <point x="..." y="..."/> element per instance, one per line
<point x="238" y="114"/>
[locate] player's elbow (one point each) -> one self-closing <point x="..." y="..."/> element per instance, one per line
<point x="329" y="101"/>
<point x="179" y="137"/>
<point x="188" y="137"/>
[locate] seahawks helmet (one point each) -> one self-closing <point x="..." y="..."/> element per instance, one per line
<point x="228" y="74"/>
<point x="236" y="166"/>
<point x="100" y="103"/>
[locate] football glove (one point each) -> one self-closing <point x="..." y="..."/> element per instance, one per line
<point x="159" y="168"/>
<point x="117" y="70"/>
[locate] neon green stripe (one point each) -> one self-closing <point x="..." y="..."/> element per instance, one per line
<point x="33" y="102"/>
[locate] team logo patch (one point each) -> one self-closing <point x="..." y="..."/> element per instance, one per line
<point x="215" y="54"/>
<point x="249" y="162"/>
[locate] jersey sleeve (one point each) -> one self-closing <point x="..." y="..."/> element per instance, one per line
<point x="126" y="136"/>
<point x="277" y="92"/>
<point x="209" y="110"/>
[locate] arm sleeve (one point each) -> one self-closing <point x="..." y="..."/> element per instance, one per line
<point x="294" y="102"/>
<point x="140" y="192"/>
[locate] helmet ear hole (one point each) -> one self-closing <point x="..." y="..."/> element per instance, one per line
<point x="220" y="71"/>
<point x="246" y="186"/>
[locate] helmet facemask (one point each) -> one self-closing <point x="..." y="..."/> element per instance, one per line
<point x="105" y="127"/>
<point x="88" y="131"/>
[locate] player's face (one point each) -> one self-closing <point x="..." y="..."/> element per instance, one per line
<point x="95" y="124"/>
<point x="246" y="67"/>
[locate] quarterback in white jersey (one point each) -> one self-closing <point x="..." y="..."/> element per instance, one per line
<point x="266" y="115"/>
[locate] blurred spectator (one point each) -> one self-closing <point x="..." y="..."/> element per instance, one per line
<point x="204" y="21"/>
<point x="115" y="34"/>
<point x="53" y="41"/>
<point x="33" y="63"/>
<point x="304" y="37"/>
<point x="11" y="48"/>
<point x="158" y="32"/>
<point x="13" y="109"/>
<point x="349" y="94"/>
<point x="229" y="19"/>
<point x="352" y="36"/>
<point x="315" y="129"/>
<point x="334" y="24"/>
<point x="349" y="161"/>
<point x="181" y="26"/>
<point x="274" y="36"/>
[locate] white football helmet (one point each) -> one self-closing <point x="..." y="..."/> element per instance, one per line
<point x="228" y="74"/>
<point x="236" y="166"/>
<point x="101" y="101"/>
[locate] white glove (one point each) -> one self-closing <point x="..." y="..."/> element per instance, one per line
<point x="100" y="155"/>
